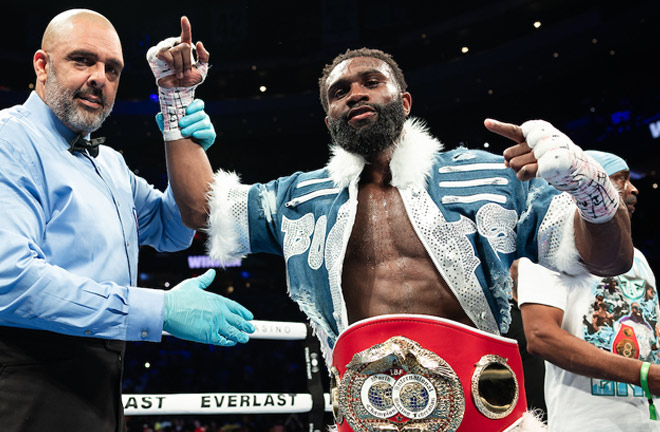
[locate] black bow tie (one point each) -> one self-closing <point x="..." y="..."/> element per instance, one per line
<point x="92" y="146"/>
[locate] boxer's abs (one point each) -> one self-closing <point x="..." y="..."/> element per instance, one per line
<point x="386" y="269"/>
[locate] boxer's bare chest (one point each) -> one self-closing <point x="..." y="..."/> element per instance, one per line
<point x="387" y="269"/>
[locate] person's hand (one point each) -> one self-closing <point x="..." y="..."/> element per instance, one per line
<point x="544" y="151"/>
<point x="196" y="123"/>
<point x="520" y="156"/>
<point x="177" y="77"/>
<point x="172" y="60"/>
<point x="200" y="316"/>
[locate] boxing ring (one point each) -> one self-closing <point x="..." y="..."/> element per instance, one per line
<point x="246" y="403"/>
<point x="387" y="374"/>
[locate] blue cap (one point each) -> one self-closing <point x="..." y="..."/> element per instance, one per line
<point x="611" y="163"/>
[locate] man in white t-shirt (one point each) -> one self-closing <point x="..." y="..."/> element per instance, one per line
<point x="595" y="334"/>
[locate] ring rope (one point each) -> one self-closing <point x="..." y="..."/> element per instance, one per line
<point x="219" y="403"/>
<point x="231" y="403"/>
<point x="278" y="330"/>
<point x="275" y="330"/>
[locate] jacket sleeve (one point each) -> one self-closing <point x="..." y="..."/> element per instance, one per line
<point x="545" y="227"/>
<point x="245" y="219"/>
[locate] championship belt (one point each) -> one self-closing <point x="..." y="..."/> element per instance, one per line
<point x="425" y="374"/>
<point x="625" y="342"/>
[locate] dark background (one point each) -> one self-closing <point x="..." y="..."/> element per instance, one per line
<point x="590" y="69"/>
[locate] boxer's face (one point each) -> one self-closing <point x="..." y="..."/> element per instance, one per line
<point x="356" y="83"/>
<point x="366" y="108"/>
<point x="83" y="74"/>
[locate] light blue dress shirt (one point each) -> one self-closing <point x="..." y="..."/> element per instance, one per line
<point x="70" y="231"/>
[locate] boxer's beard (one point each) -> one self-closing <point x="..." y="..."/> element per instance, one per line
<point x="374" y="137"/>
<point x="60" y="99"/>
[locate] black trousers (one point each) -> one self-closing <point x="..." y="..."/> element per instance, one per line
<point x="56" y="383"/>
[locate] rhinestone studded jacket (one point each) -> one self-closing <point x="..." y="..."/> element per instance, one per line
<point x="471" y="213"/>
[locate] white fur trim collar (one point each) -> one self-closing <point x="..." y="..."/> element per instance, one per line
<point x="412" y="158"/>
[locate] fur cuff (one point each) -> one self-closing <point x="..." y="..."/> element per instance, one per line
<point x="227" y="200"/>
<point x="531" y="422"/>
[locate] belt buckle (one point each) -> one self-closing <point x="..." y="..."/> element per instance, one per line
<point x="398" y="385"/>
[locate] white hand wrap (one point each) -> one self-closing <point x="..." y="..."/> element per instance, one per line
<point x="566" y="167"/>
<point x="173" y="100"/>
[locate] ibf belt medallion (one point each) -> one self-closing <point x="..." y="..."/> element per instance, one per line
<point x="399" y="386"/>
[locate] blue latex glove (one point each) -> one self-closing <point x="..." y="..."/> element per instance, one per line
<point x="195" y="123"/>
<point x="200" y="316"/>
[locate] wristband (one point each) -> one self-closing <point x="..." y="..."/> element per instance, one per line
<point x="594" y="193"/>
<point x="173" y="103"/>
<point x="644" y="381"/>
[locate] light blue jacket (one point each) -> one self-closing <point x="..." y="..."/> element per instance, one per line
<point x="472" y="214"/>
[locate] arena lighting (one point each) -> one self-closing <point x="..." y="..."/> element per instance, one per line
<point x="654" y="127"/>
<point x="635" y="175"/>
<point x="621" y="116"/>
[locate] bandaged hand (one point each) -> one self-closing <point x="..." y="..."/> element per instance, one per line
<point x="543" y="151"/>
<point x="196" y="124"/>
<point x="200" y="316"/>
<point x="177" y="76"/>
<point x="566" y="167"/>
